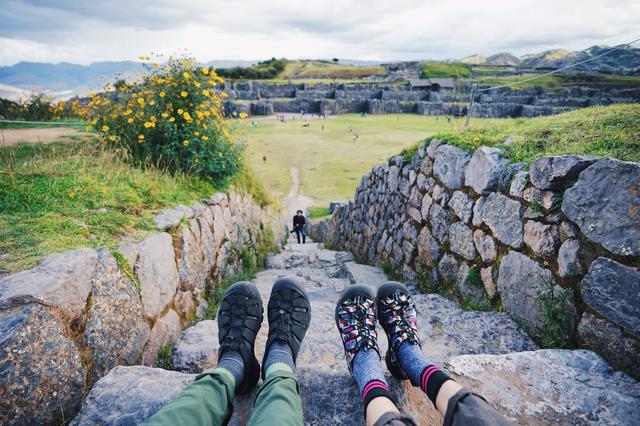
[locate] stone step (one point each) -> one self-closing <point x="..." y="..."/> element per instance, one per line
<point x="473" y="345"/>
<point x="553" y="386"/>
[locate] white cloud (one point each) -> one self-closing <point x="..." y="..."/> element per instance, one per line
<point x="84" y="32"/>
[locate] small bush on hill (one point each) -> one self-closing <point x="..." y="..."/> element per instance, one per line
<point x="173" y="118"/>
<point x="36" y="107"/>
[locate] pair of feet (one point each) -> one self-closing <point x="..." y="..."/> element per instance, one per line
<point x="289" y="313"/>
<point x="357" y="312"/>
<point x="239" y="320"/>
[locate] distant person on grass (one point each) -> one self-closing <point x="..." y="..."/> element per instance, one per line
<point x="299" y="223"/>
<point x="209" y="399"/>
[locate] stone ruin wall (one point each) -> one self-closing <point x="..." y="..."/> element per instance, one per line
<point x="261" y="98"/>
<point x="76" y="315"/>
<point x="568" y="222"/>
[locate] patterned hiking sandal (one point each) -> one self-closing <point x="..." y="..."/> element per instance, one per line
<point x="356" y="321"/>
<point x="289" y="313"/>
<point x="239" y="320"/>
<point x="398" y="317"/>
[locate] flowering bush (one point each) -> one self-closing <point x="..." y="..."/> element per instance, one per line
<point x="172" y="117"/>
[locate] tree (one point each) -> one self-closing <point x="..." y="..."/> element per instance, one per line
<point x="335" y="60"/>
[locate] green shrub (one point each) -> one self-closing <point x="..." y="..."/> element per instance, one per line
<point x="318" y="212"/>
<point x="164" y="358"/>
<point x="172" y="118"/>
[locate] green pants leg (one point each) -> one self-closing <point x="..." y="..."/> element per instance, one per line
<point x="278" y="401"/>
<point x="207" y="401"/>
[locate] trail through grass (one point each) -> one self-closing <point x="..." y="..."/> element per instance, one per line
<point x="330" y="161"/>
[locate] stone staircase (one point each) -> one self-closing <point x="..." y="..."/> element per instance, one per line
<point x="484" y="350"/>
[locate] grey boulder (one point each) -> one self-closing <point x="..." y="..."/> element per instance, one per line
<point x="450" y="165"/>
<point x="554" y="172"/>
<point x="484" y="169"/>
<point x="604" y="204"/>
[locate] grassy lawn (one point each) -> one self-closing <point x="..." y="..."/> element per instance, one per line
<point x="611" y="131"/>
<point x="326" y="69"/>
<point x="330" y="162"/>
<point x="556" y="81"/>
<point x="61" y="196"/>
<point x="435" y="69"/>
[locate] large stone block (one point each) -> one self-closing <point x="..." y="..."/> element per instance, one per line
<point x="609" y="341"/>
<point x="156" y="269"/>
<point x="130" y="395"/>
<point x="613" y="291"/>
<point x="485" y="246"/>
<point x="170" y="218"/>
<point x="605" y="204"/>
<point x="568" y="259"/>
<point x="42" y="377"/>
<point x="542" y="239"/>
<point x="197" y="348"/>
<point x="440" y="220"/>
<point x="116" y="331"/>
<point x="428" y="248"/>
<point x="521" y="282"/>
<point x="484" y="169"/>
<point x="461" y="240"/>
<point x="553" y="386"/>
<point x="554" y="172"/>
<point x="462" y="205"/>
<point x="450" y="165"/>
<point x="61" y="280"/>
<point x="504" y="216"/>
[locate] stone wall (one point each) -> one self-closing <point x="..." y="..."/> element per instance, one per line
<point x="496" y="235"/>
<point x="263" y="98"/>
<point x="76" y="315"/>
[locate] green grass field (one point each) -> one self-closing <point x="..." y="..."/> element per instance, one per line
<point x="330" y="162"/>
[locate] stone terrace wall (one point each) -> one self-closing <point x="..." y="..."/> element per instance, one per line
<point x="568" y="222"/>
<point x="65" y="323"/>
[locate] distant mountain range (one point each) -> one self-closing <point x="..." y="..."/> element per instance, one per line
<point x="64" y="80"/>
<point x="625" y="61"/>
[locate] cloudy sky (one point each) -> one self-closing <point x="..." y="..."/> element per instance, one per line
<point x="93" y="30"/>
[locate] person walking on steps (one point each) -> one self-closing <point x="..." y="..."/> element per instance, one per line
<point x="356" y="313"/>
<point x="208" y="400"/>
<point x="299" y="223"/>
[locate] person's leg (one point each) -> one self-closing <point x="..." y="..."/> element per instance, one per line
<point x="304" y="236"/>
<point x="289" y="313"/>
<point x="405" y="360"/>
<point x="356" y="321"/>
<point x="208" y="400"/>
<point x="298" y="234"/>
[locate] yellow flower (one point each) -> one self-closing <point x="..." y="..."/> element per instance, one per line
<point x="141" y="137"/>
<point x="112" y="138"/>
<point x="185" y="142"/>
<point x="128" y="112"/>
<point x="205" y="70"/>
<point x="180" y="111"/>
<point x="197" y="84"/>
<point x="243" y="115"/>
<point x="105" y="128"/>
<point x="205" y="92"/>
<point x="184" y="94"/>
<point x="149" y="124"/>
<point x="72" y="195"/>
<point x="152" y="118"/>
<point x="186" y="75"/>
<point x="205" y="138"/>
<point x="165" y="115"/>
<point x="172" y="119"/>
<point x="196" y="133"/>
<point x="162" y="94"/>
<point x="220" y="154"/>
<point x="152" y="102"/>
<point x="130" y="120"/>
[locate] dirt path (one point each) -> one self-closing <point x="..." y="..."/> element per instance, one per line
<point x="11" y="137"/>
<point x="294" y="200"/>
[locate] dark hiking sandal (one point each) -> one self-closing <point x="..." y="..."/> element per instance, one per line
<point x="239" y="320"/>
<point x="356" y="321"/>
<point x="397" y="316"/>
<point x="289" y="313"/>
